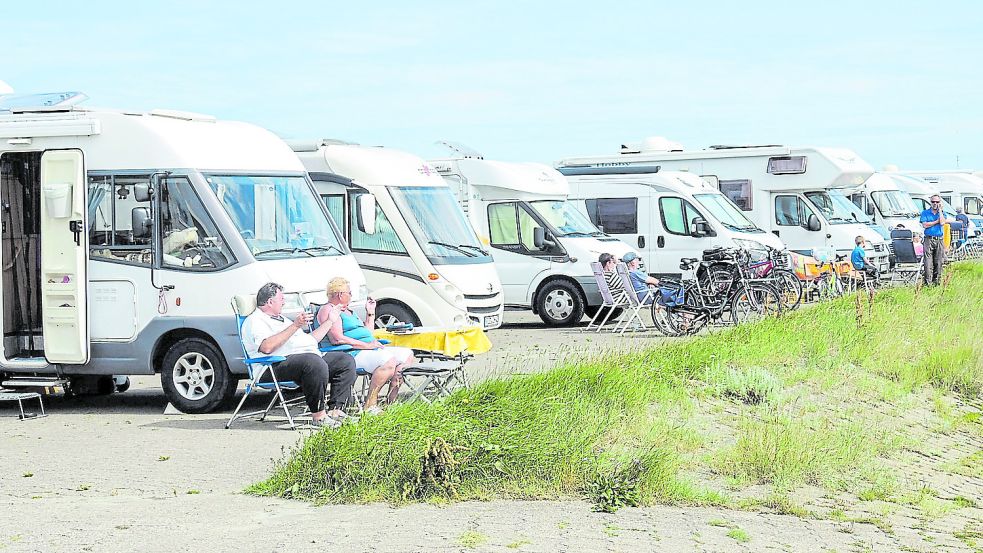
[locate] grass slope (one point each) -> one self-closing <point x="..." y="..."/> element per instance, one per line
<point x="782" y="402"/>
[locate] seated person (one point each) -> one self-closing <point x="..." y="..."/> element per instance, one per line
<point x="858" y="259"/>
<point x="916" y="241"/>
<point x="640" y="280"/>
<point x="385" y="363"/>
<point x="266" y="332"/>
<point x="608" y="263"/>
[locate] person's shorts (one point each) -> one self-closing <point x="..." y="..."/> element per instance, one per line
<point x="371" y="359"/>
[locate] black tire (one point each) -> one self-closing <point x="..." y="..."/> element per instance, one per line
<point x="759" y="300"/>
<point x="789" y="286"/>
<point x="559" y="303"/>
<point x="123" y="386"/>
<point x="391" y="313"/>
<point x="195" y="377"/>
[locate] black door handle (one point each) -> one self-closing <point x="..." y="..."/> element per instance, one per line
<point x="661" y="241"/>
<point x="641" y="241"/>
<point x="76" y="229"/>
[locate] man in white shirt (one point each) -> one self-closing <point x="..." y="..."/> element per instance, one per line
<point x="266" y="332"/>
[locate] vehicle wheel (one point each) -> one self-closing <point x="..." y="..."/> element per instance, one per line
<point x="756" y="301"/>
<point x="790" y="288"/>
<point x="559" y="304"/>
<point x="122" y="383"/>
<point x="390" y="314"/>
<point x="195" y="377"/>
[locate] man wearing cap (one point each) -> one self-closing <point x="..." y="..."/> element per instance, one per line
<point x="640" y="280"/>
<point x="932" y="220"/>
<point x="963" y="230"/>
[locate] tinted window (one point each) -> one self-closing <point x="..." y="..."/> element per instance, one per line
<point x="738" y="191"/>
<point x="614" y="215"/>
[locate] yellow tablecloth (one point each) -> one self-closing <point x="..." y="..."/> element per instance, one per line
<point x="449" y="342"/>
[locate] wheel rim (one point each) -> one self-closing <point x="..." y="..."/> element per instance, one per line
<point x="558" y="305"/>
<point x="193" y="376"/>
<point x="382" y="321"/>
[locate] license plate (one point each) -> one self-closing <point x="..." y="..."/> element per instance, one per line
<point x="491" y="321"/>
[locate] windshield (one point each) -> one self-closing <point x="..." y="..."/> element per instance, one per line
<point x="278" y="217"/>
<point x="894" y="203"/>
<point x="565" y="218"/>
<point x="837" y="209"/>
<point x="726" y="212"/>
<point x="923" y="204"/>
<point x="437" y="223"/>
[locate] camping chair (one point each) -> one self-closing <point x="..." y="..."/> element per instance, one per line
<point x="908" y="267"/>
<point x="257" y="367"/>
<point x="632" y="316"/>
<point x="610" y="299"/>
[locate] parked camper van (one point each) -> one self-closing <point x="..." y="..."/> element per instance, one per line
<point x="793" y="193"/>
<point x="961" y="189"/>
<point x="667" y="215"/>
<point x="921" y="192"/>
<point x="882" y="198"/>
<point x="126" y="234"/>
<point x="423" y="262"/>
<point x="542" y="245"/>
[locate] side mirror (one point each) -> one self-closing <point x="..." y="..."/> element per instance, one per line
<point x="812" y="223"/>
<point x="701" y="228"/>
<point x="140" y="222"/>
<point x="539" y="238"/>
<point x="365" y="213"/>
<point x="141" y="193"/>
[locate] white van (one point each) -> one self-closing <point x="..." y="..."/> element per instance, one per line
<point x="921" y="192"/>
<point x="882" y="198"/>
<point x="667" y="215"/>
<point x="129" y="232"/>
<point x="790" y="192"/>
<point x="543" y="246"/>
<point x="423" y="262"/>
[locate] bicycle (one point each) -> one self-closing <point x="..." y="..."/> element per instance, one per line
<point x="827" y="284"/>
<point x="774" y="268"/>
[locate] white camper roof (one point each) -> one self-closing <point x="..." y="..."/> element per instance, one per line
<point x="913" y="185"/>
<point x="825" y="168"/>
<point x="518" y="178"/>
<point x="951" y="181"/>
<point x="121" y="140"/>
<point x="366" y="165"/>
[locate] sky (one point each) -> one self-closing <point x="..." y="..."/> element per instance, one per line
<point x="898" y="82"/>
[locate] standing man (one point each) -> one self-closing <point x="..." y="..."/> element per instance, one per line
<point x="266" y="331"/>
<point x="932" y="221"/>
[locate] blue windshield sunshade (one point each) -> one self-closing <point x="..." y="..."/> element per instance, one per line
<point x="43" y="100"/>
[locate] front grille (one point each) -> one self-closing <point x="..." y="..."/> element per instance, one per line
<point x="480" y="297"/>
<point x="489" y="309"/>
<point x="878" y="247"/>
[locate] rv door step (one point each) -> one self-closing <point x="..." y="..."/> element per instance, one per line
<point x="34" y="382"/>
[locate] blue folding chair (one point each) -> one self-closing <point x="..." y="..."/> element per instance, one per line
<point x="257" y="367"/>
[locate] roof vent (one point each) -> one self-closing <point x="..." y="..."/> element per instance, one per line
<point x="460" y="150"/>
<point x="47" y="101"/>
<point x="740" y="146"/>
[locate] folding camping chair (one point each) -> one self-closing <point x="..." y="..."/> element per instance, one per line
<point x="632" y="316"/>
<point x="610" y="299"/>
<point x="908" y="267"/>
<point x="257" y="368"/>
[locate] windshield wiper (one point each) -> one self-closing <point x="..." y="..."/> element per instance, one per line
<point x="283" y="250"/>
<point x="476" y="248"/>
<point x="575" y="233"/>
<point x="453" y="247"/>
<point x="327" y="248"/>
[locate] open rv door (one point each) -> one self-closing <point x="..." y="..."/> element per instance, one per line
<point x="64" y="248"/>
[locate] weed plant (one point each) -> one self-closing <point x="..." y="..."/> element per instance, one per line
<point x="615" y="430"/>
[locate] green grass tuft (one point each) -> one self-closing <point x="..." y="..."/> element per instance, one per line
<point x="622" y="431"/>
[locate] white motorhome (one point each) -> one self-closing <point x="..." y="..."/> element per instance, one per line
<point x="883" y="199"/>
<point x="667" y="215"/>
<point x="422" y="260"/>
<point x="960" y="189"/>
<point x="542" y="245"/>
<point x="921" y="192"/>
<point x="127" y="233"/>
<point x="793" y="193"/>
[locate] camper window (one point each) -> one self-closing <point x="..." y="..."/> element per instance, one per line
<point x="512" y="225"/>
<point x="791" y="211"/>
<point x="738" y="191"/>
<point x="614" y="215"/>
<point x="336" y="207"/>
<point x="189" y="238"/>
<point x="972" y="205"/>
<point x="787" y="165"/>
<point x="384" y="239"/>
<point x="677" y="215"/>
<point x="111" y="208"/>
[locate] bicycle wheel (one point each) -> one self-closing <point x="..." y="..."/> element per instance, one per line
<point x="789" y="286"/>
<point x="756" y="301"/>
